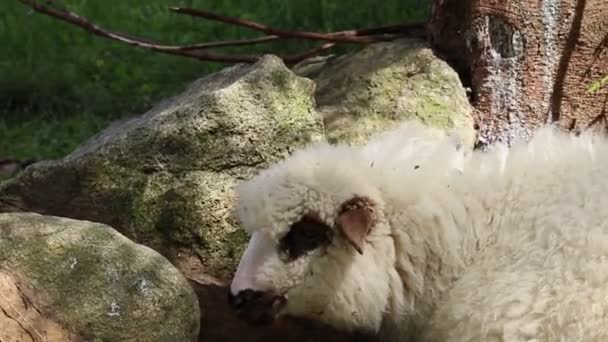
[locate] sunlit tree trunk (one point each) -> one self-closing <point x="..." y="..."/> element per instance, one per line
<point x="526" y="62"/>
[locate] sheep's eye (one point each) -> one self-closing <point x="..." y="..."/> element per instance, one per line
<point x="304" y="236"/>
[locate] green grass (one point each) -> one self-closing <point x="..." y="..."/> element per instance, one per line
<point x="50" y="136"/>
<point x="59" y="84"/>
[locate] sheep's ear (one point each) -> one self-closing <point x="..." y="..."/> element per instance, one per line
<point x="355" y="221"/>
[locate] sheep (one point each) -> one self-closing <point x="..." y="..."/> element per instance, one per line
<point x="415" y="237"/>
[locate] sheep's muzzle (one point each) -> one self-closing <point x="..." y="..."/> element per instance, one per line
<point x="256" y="307"/>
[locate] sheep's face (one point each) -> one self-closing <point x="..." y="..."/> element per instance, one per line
<point x="312" y="220"/>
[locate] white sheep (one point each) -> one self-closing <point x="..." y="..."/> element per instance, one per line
<point x="411" y="238"/>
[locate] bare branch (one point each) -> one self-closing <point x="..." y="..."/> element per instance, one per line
<point x="598" y="118"/>
<point x="335" y="38"/>
<point x="235" y="42"/>
<point x="83" y="23"/>
<point x="200" y="51"/>
<point x="293" y="59"/>
<point x="417" y="29"/>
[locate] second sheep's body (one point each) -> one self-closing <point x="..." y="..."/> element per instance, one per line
<point x="411" y="238"/>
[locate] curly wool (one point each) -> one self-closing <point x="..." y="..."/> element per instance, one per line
<point x="505" y="245"/>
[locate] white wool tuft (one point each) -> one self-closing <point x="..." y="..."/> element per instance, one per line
<point x="505" y="245"/>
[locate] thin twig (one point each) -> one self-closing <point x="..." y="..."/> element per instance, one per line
<point x="417" y="29"/>
<point x="201" y="51"/>
<point x="236" y="42"/>
<point x="572" y="125"/>
<point x="411" y="29"/>
<point x="335" y="38"/>
<point x="595" y="120"/>
<point x="603" y="44"/>
<point x="209" y="45"/>
<point x="75" y="19"/>
<point x="293" y="59"/>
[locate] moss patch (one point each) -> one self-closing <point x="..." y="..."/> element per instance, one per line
<point x="97" y="282"/>
<point x="377" y="87"/>
<point x="165" y="178"/>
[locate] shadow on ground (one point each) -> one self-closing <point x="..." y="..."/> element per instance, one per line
<point x="219" y="324"/>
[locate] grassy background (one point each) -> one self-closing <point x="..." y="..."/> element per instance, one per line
<point x="59" y="84"/>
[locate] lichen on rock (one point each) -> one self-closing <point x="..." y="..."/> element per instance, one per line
<point x="373" y="89"/>
<point x="164" y="178"/>
<point x="96" y="283"/>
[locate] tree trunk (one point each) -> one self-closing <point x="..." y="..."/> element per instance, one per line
<point x="527" y="62"/>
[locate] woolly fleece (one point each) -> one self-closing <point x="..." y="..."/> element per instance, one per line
<point x="505" y="245"/>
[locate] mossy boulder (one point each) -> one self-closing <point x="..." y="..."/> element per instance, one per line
<point x="374" y="88"/>
<point x="92" y="282"/>
<point x="165" y="178"/>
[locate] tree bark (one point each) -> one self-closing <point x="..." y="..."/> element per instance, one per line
<point x="527" y="62"/>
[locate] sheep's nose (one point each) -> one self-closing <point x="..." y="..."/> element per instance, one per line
<point x="256" y="307"/>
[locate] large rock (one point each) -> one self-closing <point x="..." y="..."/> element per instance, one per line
<point x="165" y="178"/>
<point x="372" y="89"/>
<point x="70" y="280"/>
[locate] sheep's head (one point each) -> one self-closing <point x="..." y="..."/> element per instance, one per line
<point x="313" y="220"/>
